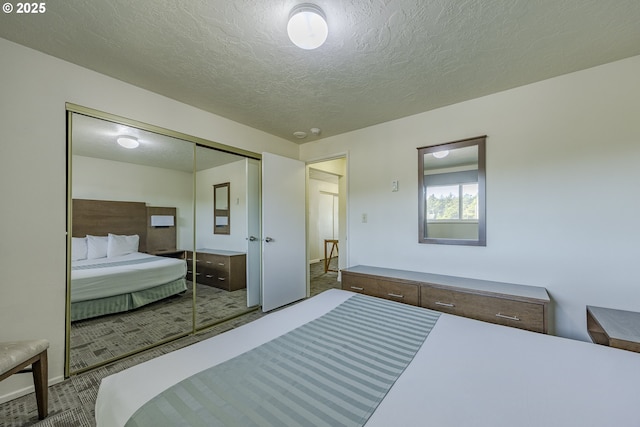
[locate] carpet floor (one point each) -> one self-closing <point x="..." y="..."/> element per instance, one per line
<point x="94" y="341"/>
<point x="71" y="402"/>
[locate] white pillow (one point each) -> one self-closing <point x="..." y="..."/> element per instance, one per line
<point x="78" y="248"/>
<point x="122" y="245"/>
<point x="96" y="246"/>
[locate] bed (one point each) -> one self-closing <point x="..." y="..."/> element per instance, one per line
<point x="110" y="269"/>
<point x="121" y="283"/>
<point x="465" y="373"/>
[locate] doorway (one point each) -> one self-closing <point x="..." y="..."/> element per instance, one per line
<point x="327" y="222"/>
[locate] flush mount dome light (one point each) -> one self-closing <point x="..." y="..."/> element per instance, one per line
<point x="307" y="26"/>
<point x="128" y="141"/>
<point x="441" y="154"/>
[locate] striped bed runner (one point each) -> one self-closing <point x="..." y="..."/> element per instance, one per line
<point x="114" y="263"/>
<point x="332" y="371"/>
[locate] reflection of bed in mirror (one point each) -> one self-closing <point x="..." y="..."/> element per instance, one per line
<point x="110" y="271"/>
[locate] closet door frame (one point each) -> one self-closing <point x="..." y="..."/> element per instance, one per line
<point x="72" y="109"/>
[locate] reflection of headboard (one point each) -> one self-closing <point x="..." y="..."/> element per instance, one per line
<point x="101" y="217"/>
<point x="161" y="238"/>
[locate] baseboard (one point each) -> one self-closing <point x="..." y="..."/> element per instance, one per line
<point x="27" y="390"/>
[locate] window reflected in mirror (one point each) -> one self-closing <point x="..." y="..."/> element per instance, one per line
<point x="451" y="193"/>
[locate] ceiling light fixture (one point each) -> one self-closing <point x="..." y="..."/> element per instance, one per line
<point x="128" y="141"/>
<point x="441" y="154"/>
<point x="307" y="27"/>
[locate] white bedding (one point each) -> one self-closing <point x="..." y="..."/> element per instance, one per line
<point x="107" y="280"/>
<point x="467" y="373"/>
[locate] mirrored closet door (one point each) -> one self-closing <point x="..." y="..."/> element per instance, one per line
<point x="145" y="265"/>
<point x="220" y="276"/>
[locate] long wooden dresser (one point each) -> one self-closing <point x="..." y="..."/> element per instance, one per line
<point x="219" y="268"/>
<point x="520" y="306"/>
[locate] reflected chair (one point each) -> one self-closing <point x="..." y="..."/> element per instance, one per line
<point x="16" y="356"/>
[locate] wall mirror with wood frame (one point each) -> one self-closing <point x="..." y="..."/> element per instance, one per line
<point x="221" y="208"/>
<point x="451" y="193"/>
<point x="145" y="204"/>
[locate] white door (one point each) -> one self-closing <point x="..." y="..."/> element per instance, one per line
<point x="254" y="262"/>
<point x="284" y="272"/>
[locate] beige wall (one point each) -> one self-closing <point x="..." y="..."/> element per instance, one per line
<point x="34" y="88"/>
<point x="562" y="185"/>
<point x="135" y="183"/>
<point x="236" y="174"/>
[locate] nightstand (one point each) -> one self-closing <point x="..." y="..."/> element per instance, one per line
<point x="169" y="253"/>
<point x="614" y="328"/>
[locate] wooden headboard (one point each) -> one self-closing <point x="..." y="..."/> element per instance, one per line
<point x="101" y="217"/>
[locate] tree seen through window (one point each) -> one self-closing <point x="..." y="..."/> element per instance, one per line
<point x="452" y="202"/>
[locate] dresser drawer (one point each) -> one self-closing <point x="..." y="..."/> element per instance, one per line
<point x="401" y="292"/>
<point x="216" y="262"/>
<point x="492" y="309"/>
<point x="223" y="271"/>
<point x="360" y="284"/>
<point x="211" y="276"/>
<point x="445" y="300"/>
<point x="507" y="312"/>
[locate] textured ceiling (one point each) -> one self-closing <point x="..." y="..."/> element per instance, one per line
<point x="382" y="60"/>
<point x="96" y="138"/>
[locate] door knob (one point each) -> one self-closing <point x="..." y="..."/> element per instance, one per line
<point x="252" y="238"/>
<point x="268" y="239"/>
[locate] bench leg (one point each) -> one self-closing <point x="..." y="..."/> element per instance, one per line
<point x="40" y="381"/>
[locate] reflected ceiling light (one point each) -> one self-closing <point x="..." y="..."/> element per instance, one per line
<point x="441" y="154"/>
<point x="128" y="141"/>
<point x="307" y="27"/>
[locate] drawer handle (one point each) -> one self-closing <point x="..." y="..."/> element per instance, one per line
<point x="445" y="304"/>
<point x="221" y="263"/>
<point x="395" y="295"/>
<point x="222" y="279"/>
<point x="208" y="276"/>
<point x="208" y="262"/>
<point x="197" y="274"/>
<point x="504" y="316"/>
<point x="357" y="288"/>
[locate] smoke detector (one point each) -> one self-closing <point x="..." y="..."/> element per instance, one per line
<point x="300" y="134"/>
